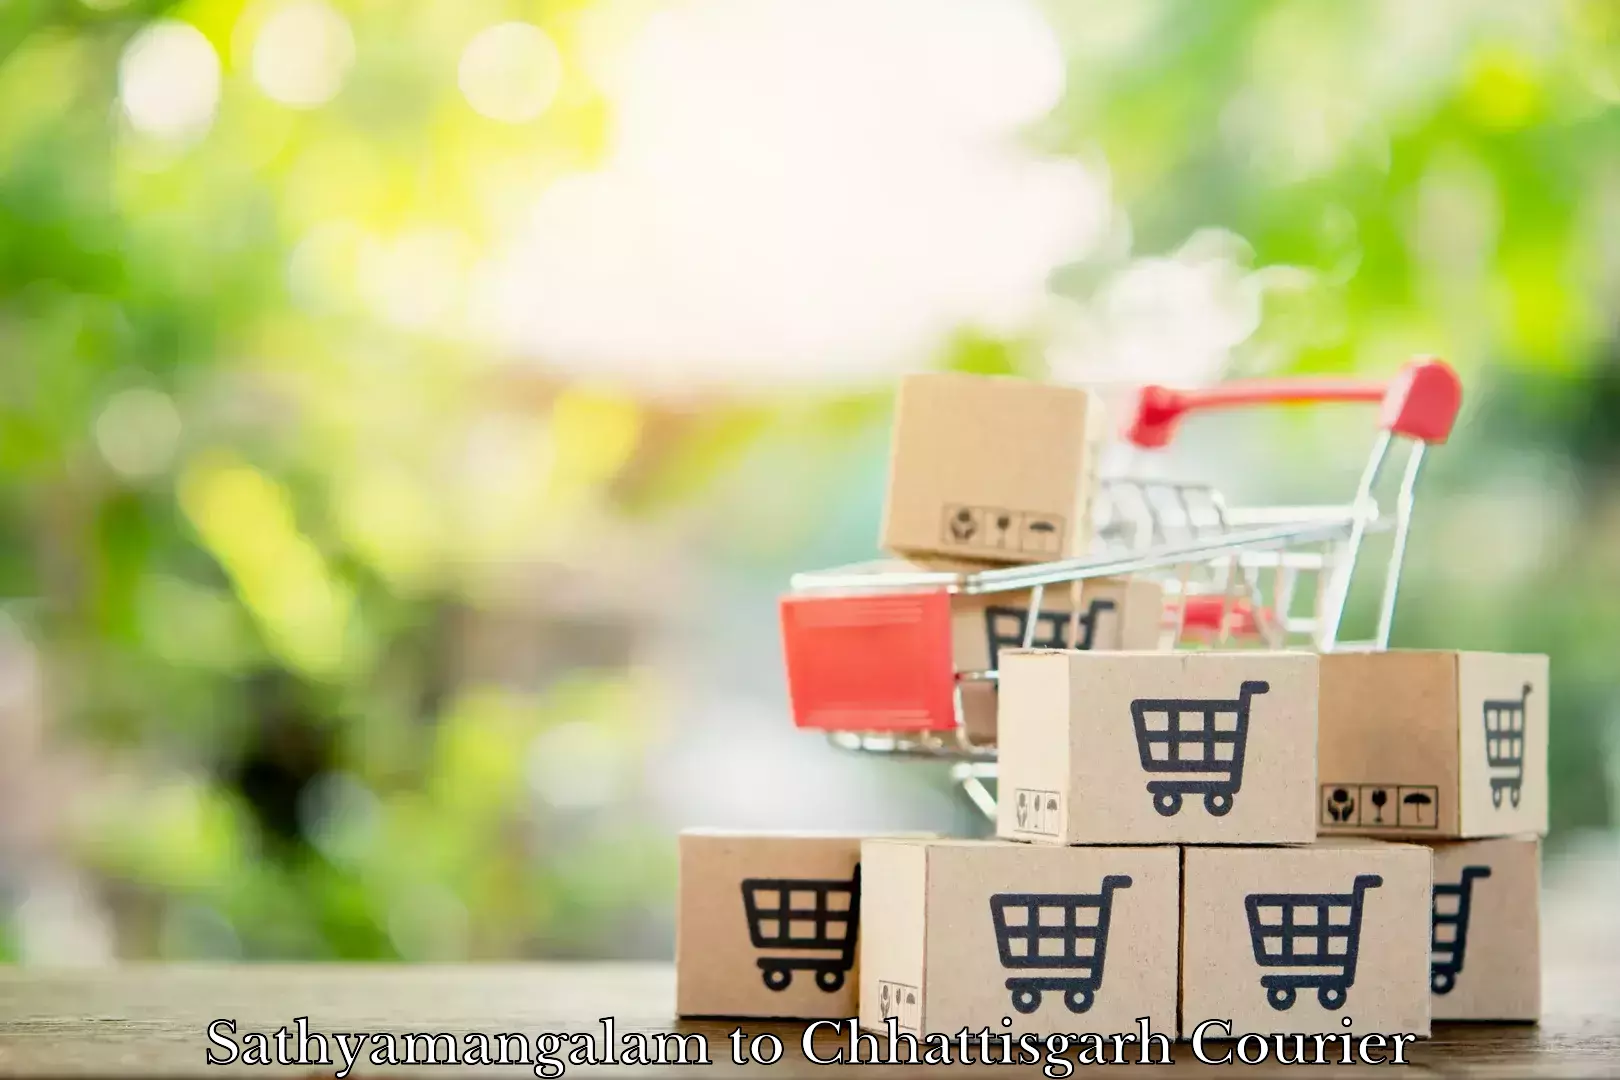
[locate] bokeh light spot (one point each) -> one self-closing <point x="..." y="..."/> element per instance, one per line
<point x="576" y="765"/>
<point x="302" y="54"/>
<point x="1502" y="91"/>
<point x="510" y="72"/>
<point x="417" y="280"/>
<point x="168" y="81"/>
<point x="594" y="436"/>
<point x="247" y="521"/>
<point x="137" y="432"/>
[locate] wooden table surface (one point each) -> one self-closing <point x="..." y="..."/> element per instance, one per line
<point x="151" y="1021"/>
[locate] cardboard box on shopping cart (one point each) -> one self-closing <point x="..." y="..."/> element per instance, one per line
<point x="991" y="468"/>
<point x="1111" y="614"/>
<point x="1433" y="744"/>
<point x="767" y="924"/>
<point x="1485" y="960"/>
<point x="832" y="638"/>
<point x="1157" y="747"/>
<point x="961" y="933"/>
<point x="1296" y="939"/>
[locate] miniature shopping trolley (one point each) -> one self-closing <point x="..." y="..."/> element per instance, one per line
<point x="797" y="915"/>
<point x="1448" y="940"/>
<point x="869" y="655"/>
<point x="1062" y="936"/>
<point x="1504" y="746"/>
<point x="1319" y="934"/>
<point x="1198" y="736"/>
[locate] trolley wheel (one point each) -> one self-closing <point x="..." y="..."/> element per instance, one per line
<point x="1441" y="982"/>
<point x="829" y="980"/>
<point x="1167" y="803"/>
<point x="1079" y="999"/>
<point x="1513" y="793"/>
<point x="1496" y="796"/>
<point x="1026" y="1001"/>
<point x="1281" y="997"/>
<point x="1218" y="803"/>
<point x="1331" y="997"/>
<point x="778" y="978"/>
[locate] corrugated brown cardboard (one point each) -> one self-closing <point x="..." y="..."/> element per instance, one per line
<point x="1498" y="799"/>
<point x="717" y="963"/>
<point x="934" y="955"/>
<point x="992" y="468"/>
<point x="1486" y="953"/>
<point x="1071" y="758"/>
<point x="1221" y="977"/>
<point x="1125" y="613"/>
<point x="1404" y="749"/>
<point x="893" y="957"/>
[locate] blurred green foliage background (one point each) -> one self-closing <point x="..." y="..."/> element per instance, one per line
<point x="409" y="412"/>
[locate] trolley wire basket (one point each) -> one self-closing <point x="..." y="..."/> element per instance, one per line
<point x="869" y="655"/>
<point x="1317" y="933"/>
<point x="1063" y="935"/>
<point x="801" y="915"/>
<point x="1504" y="746"/>
<point x="1448" y="938"/>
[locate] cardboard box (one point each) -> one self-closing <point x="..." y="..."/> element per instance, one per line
<point x="991" y="468"/>
<point x="1485" y="962"/>
<point x="1157" y="747"/>
<point x="1435" y="744"/>
<point x="961" y="933"/>
<point x="1255" y="950"/>
<point x="767" y="925"/>
<point x="1113" y="614"/>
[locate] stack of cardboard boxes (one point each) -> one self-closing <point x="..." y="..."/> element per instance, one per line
<point x="1449" y="749"/>
<point x="1181" y="835"/>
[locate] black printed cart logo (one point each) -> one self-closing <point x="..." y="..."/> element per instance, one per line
<point x="1317" y="935"/>
<point x="900" y="1002"/>
<point x="1005" y="628"/>
<point x="1448" y="940"/>
<point x="797" y="915"/>
<point x="1504" y="746"/>
<point x="1200" y="741"/>
<point x="1059" y="938"/>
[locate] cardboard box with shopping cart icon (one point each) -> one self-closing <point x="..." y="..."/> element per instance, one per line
<point x="1485" y="940"/>
<point x="961" y="933"/>
<point x="869" y="650"/>
<point x="1295" y="939"/>
<point x="991" y="468"/>
<point x="767" y="924"/>
<point x="1433" y="744"/>
<point x="1157" y="747"/>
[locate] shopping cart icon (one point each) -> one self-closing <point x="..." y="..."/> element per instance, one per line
<point x="1006" y="628"/>
<point x="803" y="915"/>
<point x="1320" y="931"/>
<point x="1061" y="933"/>
<point x="1448" y="941"/>
<point x="1504" y="746"/>
<point x="1201" y="736"/>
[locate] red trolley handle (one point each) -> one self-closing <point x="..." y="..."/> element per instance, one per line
<point x="1420" y="402"/>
